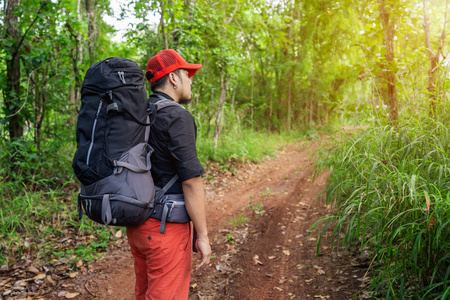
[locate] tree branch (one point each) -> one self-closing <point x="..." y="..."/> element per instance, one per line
<point x="441" y="39"/>
<point x="28" y="29"/>
<point x="232" y="15"/>
<point x="426" y="27"/>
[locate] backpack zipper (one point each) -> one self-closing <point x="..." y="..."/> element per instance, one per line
<point x="93" y="132"/>
<point x="122" y="76"/>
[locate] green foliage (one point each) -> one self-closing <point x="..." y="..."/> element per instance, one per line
<point x="238" y="221"/>
<point x="258" y="209"/>
<point x="266" y="193"/>
<point x="230" y="239"/>
<point x="391" y="190"/>
<point x="39" y="220"/>
<point x="246" y="145"/>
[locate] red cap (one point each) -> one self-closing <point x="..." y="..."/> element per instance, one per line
<point x="168" y="61"/>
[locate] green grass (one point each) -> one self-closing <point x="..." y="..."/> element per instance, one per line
<point x="238" y="221"/>
<point x="391" y="191"/>
<point x="38" y="221"/>
<point x="242" y="146"/>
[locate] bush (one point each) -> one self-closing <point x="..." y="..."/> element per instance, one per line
<point x="391" y="190"/>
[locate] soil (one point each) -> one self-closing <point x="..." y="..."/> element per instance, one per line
<point x="259" y="219"/>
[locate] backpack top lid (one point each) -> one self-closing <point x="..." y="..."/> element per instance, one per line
<point x="113" y="72"/>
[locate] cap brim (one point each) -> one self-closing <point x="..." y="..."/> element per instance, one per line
<point x="192" y="68"/>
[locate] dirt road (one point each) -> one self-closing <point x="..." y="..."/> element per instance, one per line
<point x="259" y="221"/>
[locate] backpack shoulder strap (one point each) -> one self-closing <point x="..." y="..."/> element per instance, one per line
<point x="153" y="108"/>
<point x="164" y="102"/>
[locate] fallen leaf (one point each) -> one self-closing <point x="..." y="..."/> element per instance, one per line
<point x="50" y="279"/>
<point x="20" y="283"/>
<point x="256" y="260"/>
<point x="40" y="276"/>
<point x="286" y="252"/>
<point x="32" y="269"/>
<point x="278" y="288"/>
<point x="320" y="271"/>
<point x="322" y="297"/>
<point x="79" y="263"/>
<point x="271" y="257"/>
<point x="118" y="234"/>
<point x="71" y="295"/>
<point x="194" y="286"/>
<point x="73" y="274"/>
<point x="309" y="280"/>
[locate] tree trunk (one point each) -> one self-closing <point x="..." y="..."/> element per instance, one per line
<point x="271" y="110"/>
<point x="163" y="27"/>
<point x="90" y="13"/>
<point x="434" y="58"/>
<point x="251" y="96"/>
<point x="223" y="95"/>
<point x="12" y="92"/>
<point x="191" y="11"/>
<point x="288" y="120"/>
<point x="77" y="58"/>
<point x="389" y="76"/>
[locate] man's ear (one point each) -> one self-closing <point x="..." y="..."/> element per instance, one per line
<point x="172" y="78"/>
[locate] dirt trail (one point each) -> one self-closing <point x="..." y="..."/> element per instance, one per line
<point x="270" y="255"/>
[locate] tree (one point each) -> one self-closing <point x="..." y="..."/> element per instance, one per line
<point x="389" y="73"/>
<point x="433" y="57"/>
<point x="12" y="91"/>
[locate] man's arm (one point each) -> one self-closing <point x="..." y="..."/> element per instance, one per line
<point x="194" y="195"/>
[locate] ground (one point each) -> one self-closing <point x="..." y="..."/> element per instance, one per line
<point x="259" y="218"/>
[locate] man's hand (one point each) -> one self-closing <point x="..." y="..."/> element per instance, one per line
<point x="203" y="251"/>
<point x="194" y="195"/>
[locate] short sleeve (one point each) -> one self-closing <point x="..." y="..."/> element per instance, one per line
<point x="183" y="132"/>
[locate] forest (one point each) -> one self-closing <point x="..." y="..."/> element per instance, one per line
<point x="274" y="72"/>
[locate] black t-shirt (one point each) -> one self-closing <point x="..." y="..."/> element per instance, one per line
<point x="172" y="137"/>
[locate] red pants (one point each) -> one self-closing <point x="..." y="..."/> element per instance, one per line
<point x="162" y="262"/>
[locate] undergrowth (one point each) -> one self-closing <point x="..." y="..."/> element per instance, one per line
<point x="391" y="192"/>
<point x="38" y="215"/>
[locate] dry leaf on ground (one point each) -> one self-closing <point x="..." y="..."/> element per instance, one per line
<point x="71" y="295"/>
<point x="256" y="260"/>
<point x="79" y="263"/>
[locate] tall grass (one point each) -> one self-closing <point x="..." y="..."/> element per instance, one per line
<point x="391" y="191"/>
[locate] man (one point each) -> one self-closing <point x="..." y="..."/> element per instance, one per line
<point x="162" y="262"/>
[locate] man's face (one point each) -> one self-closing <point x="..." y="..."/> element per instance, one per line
<point x="185" y="87"/>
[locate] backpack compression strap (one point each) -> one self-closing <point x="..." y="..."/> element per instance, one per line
<point x="153" y="111"/>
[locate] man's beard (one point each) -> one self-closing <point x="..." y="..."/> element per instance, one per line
<point x="185" y="101"/>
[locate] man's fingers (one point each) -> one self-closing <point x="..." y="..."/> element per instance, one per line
<point x="204" y="262"/>
<point x="204" y="252"/>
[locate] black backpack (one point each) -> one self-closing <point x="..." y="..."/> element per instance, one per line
<point x="112" y="160"/>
